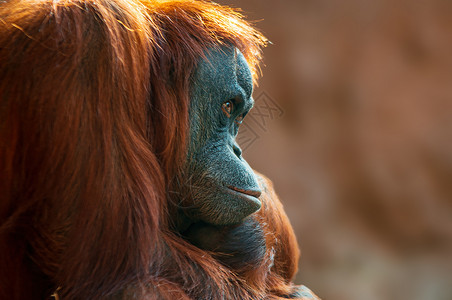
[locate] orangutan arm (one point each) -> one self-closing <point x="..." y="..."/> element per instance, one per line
<point x="282" y="243"/>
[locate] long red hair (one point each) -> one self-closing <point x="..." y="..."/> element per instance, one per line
<point x="93" y="133"/>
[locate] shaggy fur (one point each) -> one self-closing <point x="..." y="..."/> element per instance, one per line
<point x="93" y="135"/>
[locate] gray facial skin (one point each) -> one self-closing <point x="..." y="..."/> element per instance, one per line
<point x="223" y="187"/>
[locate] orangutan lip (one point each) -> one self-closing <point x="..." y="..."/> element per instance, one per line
<point x="249" y="199"/>
<point x="256" y="194"/>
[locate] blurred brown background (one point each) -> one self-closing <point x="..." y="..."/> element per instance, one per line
<point x="354" y="126"/>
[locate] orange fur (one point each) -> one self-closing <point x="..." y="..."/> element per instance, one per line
<point x="93" y="129"/>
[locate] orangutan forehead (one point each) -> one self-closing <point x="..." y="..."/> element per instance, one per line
<point x="225" y="72"/>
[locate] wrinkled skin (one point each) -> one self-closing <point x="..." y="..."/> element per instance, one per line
<point x="223" y="187"/>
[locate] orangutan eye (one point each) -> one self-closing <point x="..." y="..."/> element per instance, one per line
<point x="227" y="108"/>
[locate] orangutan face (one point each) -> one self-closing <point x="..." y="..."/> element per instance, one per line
<point x="223" y="187"/>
